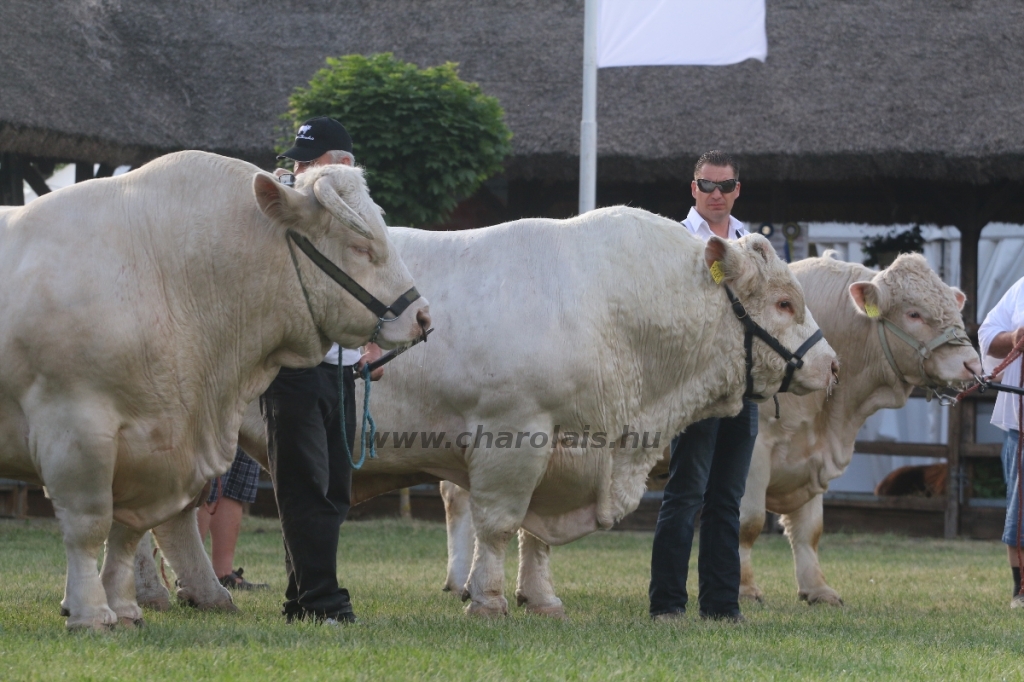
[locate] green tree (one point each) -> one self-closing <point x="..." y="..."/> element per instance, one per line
<point x="427" y="138"/>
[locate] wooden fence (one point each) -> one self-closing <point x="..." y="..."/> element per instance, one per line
<point x="959" y="513"/>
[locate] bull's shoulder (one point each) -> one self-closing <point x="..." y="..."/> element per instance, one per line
<point x="812" y="270"/>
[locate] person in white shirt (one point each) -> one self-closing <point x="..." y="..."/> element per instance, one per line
<point x="710" y="460"/>
<point x="1001" y="331"/>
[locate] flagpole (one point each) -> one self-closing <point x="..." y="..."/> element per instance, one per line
<point x="588" y="124"/>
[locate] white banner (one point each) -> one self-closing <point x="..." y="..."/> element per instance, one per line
<point x="661" y="32"/>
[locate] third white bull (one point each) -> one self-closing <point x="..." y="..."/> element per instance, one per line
<point x="893" y="330"/>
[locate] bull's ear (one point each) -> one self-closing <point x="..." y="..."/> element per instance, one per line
<point x="960" y="297"/>
<point x="722" y="260"/>
<point x="329" y="198"/>
<point x="277" y="202"/>
<point x="763" y="248"/>
<point x="869" y="298"/>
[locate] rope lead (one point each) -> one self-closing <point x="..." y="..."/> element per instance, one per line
<point x="367" y="420"/>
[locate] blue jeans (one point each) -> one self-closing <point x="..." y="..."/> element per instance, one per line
<point x="709" y="466"/>
<point x="1009" y="457"/>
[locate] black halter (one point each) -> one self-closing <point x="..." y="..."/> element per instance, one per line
<point x="349" y="284"/>
<point x="794" y="361"/>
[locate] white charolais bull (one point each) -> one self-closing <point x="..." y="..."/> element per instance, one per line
<point x="141" y="314"/>
<point x="812" y="441"/>
<point x="604" y="323"/>
<point x="593" y="325"/>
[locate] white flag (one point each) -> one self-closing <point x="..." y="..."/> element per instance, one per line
<point x="660" y="32"/>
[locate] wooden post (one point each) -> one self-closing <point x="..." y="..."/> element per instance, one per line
<point x="35" y="180"/>
<point x="954" y="477"/>
<point x="976" y="209"/>
<point x="405" y="504"/>
<point x="970" y="235"/>
<point x="21" y="502"/>
<point x="83" y="171"/>
<point x="12" y="189"/>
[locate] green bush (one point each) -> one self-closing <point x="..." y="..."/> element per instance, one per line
<point x="427" y="138"/>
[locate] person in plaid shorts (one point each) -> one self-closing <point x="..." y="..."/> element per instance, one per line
<point x="222" y="516"/>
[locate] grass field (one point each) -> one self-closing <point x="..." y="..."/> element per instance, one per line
<point x="915" y="610"/>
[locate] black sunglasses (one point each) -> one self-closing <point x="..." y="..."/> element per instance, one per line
<point x="708" y="186"/>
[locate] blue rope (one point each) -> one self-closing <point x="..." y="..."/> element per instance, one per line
<point x="367" y="419"/>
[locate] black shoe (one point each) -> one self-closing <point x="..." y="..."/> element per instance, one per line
<point x="235" y="581"/>
<point x="670" y="617"/>
<point x="342" y="616"/>
<point x="340" y="619"/>
<point x="334" y="620"/>
<point x="726" y="617"/>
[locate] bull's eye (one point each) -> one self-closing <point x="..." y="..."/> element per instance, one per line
<point x="914" y="315"/>
<point x="362" y="251"/>
<point x="785" y="306"/>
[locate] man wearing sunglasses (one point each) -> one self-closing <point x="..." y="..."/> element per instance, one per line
<point x="710" y="460"/>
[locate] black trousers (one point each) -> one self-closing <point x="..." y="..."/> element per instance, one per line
<point x="312" y="482"/>
<point x="707" y="474"/>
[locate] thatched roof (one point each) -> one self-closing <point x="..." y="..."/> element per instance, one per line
<point x="852" y="89"/>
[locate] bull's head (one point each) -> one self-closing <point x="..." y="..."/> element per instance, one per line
<point x="773" y="298"/>
<point x="330" y="210"/>
<point x="921" y="331"/>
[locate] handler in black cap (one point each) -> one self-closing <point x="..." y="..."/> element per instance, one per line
<point x="316" y="139"/>
<point x="312" y="473"/>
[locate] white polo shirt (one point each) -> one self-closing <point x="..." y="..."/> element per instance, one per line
<point x="700" y="228"/>
<point x="1006" y="316"/>
<point x="349" y="356"/>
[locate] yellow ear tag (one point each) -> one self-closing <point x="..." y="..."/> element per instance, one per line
<point x="870" y="310"/>
<point x="716" y="272"/>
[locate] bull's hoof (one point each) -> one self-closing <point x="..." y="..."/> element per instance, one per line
<point x="64" y="611"/>
<point x="222" y="607"/>
<point x="130" y="623"/>
<point x="455" y="588"/>
<point x="223" y="603"/>
<point x="90" y="627"/>
<point x="157" y="604"/>
<point x="102" y="622"/>
<point x="556" y="611"/>
<point x="464" y="595"/>
<point x="752" y="594"/>
<point x="827" y="596"/>
<point x="487" y="611"/>
<point x="155" y="598"/>
<point x="551" y="610"/>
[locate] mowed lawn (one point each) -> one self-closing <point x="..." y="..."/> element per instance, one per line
<point x="915" y="610"/>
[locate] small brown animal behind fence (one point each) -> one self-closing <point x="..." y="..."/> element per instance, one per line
<point x="924" y="481"/>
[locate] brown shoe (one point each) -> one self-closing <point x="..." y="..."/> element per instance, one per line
<point x="235" y="581"/>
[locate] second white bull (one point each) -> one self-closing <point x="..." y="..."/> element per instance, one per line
<point x="567" y="354"/>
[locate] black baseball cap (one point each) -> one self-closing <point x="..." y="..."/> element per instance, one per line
<point x="316" y="137"/>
